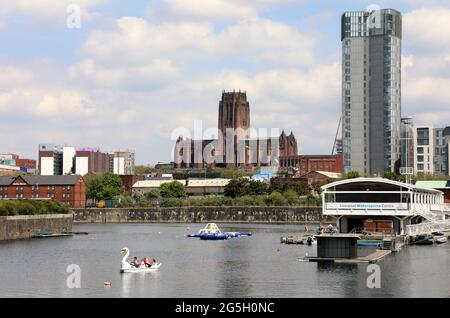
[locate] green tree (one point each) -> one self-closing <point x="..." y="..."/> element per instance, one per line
<point x="112" y="186"/>
<point x="140" y="170"/>
<point x="291" y="197"/>
<point x="105" y="187"/>
<point x="94" y="188"/>
<point x="393" y="176"/>
<point x="173" y="189"/>
<point x="237" y="188"/>
<point x="352" y="175"/>
<point x="257" y="187"/>
<point x="153" y="194"/>
<point x="276" y="199"/>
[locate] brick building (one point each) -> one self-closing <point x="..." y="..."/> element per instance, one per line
<point x="68" y="160"/>
<point x="307" y="163"/>
<point x="65" y="189"/>
<point x="129" y="180"/>
<point x="12" y="159"/>
<point x="91" y="160"/>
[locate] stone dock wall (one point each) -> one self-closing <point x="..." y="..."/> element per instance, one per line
<point x="22" y="227"/>
<point x="262" y="215"/>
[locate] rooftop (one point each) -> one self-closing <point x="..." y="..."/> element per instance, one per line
<point x="434" y="184"/>
<point x="42" y="180"/>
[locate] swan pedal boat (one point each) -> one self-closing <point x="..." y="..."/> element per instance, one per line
<point x="128" y="268"/>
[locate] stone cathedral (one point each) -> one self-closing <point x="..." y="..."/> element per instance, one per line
<point x="236" y="145"/>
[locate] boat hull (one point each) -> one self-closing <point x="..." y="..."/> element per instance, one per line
<point x="141" y="270"/>
<point x="441" y="240"/>
<point x="213" y="237"/>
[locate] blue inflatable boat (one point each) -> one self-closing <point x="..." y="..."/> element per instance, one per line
<point x="213" y="233"/>
<point x="214" y="237"/>
<point x="368" y="243"/>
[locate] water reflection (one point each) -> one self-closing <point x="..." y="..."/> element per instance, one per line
<point x="257" y="266"/>
<point x="133" y="284"/>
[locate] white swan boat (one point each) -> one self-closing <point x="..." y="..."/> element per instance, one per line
<point x="126" y="267"/>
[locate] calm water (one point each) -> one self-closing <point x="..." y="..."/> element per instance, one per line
<point x="244" y="267"/>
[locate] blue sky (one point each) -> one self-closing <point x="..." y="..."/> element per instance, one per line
<point x="137" y="70"/>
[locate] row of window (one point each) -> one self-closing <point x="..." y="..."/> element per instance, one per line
<point x="34" y="196"/>
<point x="34" y="188"/>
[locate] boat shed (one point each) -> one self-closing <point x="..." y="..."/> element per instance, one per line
<point x="355" y="201"/>
<point x="337" y="246"/>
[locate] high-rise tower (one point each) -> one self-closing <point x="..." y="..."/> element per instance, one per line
<point x="234" y="111"/>
<point x="371" y="90"/>
<point x="234" y="122"/>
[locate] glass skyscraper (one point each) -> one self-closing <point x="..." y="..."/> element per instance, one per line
<point x="371" y="90"/>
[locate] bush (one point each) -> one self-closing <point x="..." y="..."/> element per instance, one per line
<point x="246" y="200"/>
<point x="32" y="207"/>
<point x="291" y="197"/>
<point x="276" y="199"/>
<point x="284" y="184"/>
<point x="125" y="201"/>
<point x="173" y="202"/>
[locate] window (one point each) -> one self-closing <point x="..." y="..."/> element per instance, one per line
<point x="420" y="158"/>
<point x="423" y="137"/>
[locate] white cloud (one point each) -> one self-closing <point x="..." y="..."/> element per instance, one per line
<point x="259" y="42"/>
<point x="426" y="66"/>
<point x="141" y="77"/>
<point x="45" y="12"/>
<point x="213" y="10"/>
<point x="427" y="30"/>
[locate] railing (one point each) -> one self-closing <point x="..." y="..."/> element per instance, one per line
<point x="428" y="227"/>
<point x="424" y="210"/>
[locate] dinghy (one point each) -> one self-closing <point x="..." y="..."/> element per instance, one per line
<point x="126" y="267"/>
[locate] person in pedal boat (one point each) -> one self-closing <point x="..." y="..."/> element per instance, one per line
<point x="149" y="263"/>
<point x="135" y="262"/>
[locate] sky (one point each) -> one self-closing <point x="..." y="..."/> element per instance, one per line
<point x="135" y="72"/>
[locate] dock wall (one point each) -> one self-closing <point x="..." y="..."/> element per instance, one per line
<point x="22" y="227"/>
<point x="262" y="215"/>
